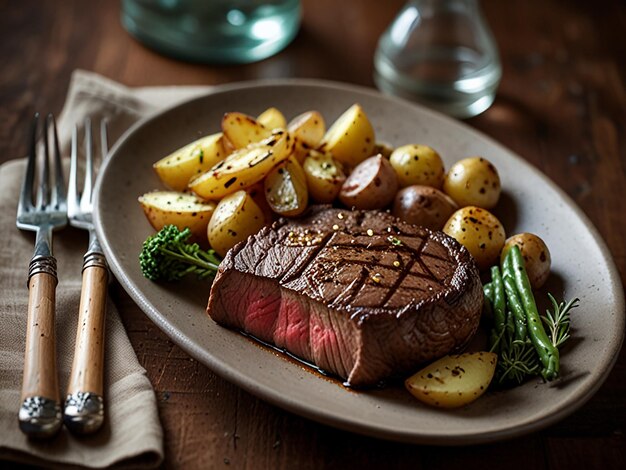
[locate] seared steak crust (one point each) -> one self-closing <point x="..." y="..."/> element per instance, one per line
<point x="358" y="293"/>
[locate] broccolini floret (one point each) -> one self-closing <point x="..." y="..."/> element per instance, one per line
<point x="168" y="256"/>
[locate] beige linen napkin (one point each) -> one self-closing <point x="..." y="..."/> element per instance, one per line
<point x="132" y="435"/>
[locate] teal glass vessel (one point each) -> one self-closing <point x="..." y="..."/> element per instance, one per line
<point x="214" y="31"/>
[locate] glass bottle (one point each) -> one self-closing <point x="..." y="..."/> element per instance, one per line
<point x="218" y="31"/>
<point x="440" y="53"/>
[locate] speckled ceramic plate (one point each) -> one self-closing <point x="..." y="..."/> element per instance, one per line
<point x="582" y="267"/>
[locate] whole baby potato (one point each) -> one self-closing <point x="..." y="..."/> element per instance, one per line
<point x="536" y="256"/>
<point x="372" y="185"/>
<point x="480" y="232"/>
<point x="417" y="164"/>
<point x="423" y="205"/>
<point x="473" y="182"/>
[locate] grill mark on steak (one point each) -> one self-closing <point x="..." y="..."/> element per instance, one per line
<point x="289" y="276"/>
<point x="351" y="289"/>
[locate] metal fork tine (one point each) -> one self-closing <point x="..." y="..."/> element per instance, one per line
<point x="58" y="191"/>
<point x="72" y="187"/>
<point x="26" y="195"/>
<point x="104" y="138"/>
<point x="43" y="193"/>
<point x="85" y="200"/>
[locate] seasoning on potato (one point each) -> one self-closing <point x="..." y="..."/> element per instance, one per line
<point x="372" y="185"/>
<point x="480" y="232"/>
<point x="455" y="380"/>
<point x="473" y="182"/>
<point x="241" y="130"/>
<point x="536" y="256"/>
<point x="193" y="159"/>
<point x="424" y="206"/>
<point x="236" y="217"/>
<point x="417" y="164"/>
<point x="324" y="176"/>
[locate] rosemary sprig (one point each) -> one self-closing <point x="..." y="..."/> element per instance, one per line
<point x="517" y="362"/>
<point x="558" y="320"/>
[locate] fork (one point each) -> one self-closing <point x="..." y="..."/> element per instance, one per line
<point x="84" y="405"/>
<point x="40" y="412"/>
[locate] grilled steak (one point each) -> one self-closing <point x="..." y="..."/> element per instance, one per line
<point x="358" y="293"/>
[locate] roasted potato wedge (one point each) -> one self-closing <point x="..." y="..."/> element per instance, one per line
<point x="480" y="232"/>
<point x="272" y="119"/>
<point x="417" y="164"/>
<point x="236" y="217"/>
<point x="473" y="182"/>
<point x="372" y="185"/>
<point x="181" y="209"/>
<point x="454" y="380"/>
<point x="536" y="256"/>
<point x="308" y="127"/>
<point x="351" y="138"/>
<point x="286" y="189"/>
<point x="242" y="130"/>
<point x="324" y="176"/>
<point x="244" y="167"/>
<point x="193" y="159"/>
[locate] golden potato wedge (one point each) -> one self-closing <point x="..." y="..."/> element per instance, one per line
<point x="309" y="128"/>
<point x="181" y="209"/>
<point x="272" y="119"/>
<point x="351" y="138"/>
<point x="324" y="176"/>
<point x="179" y="167"/>
<point x="244" y="167"/>
<point x="286" y="189"/>
<point x="236" y="217"/>
<point x="454" y="380"/>
<point x="242" y="130"/>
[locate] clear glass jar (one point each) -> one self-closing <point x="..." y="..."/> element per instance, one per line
<point x="218" y="31"/>
<point x="440" y="53"/>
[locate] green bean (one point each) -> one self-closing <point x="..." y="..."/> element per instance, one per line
<point x="488" y="291"/>
<point x="547" y="352"/>
<point x="514" y="303"/>
<point x="499" y="304"/>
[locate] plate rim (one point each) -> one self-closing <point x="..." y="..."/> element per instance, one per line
<point x="270" y="394"/>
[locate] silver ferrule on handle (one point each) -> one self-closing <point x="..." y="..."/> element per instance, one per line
<point x="40" y="417"/>
<point x="42" y="260"/>
<point x="84" y="412"/>
<point x="94" y="255"/>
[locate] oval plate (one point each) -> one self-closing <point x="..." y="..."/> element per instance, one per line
<point x="582" y="267"/>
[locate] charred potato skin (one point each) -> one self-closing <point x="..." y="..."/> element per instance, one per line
<point x="372" y="185"/>
<point x="424" y="206"/>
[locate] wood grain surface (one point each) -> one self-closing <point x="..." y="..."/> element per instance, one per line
<point x="561" y="105"/>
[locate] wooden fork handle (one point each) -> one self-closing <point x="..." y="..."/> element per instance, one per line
<point x="40" y="413"/>
<point x="84" y="405"/>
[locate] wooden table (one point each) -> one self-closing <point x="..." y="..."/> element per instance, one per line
<point x="561" y="105"/>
